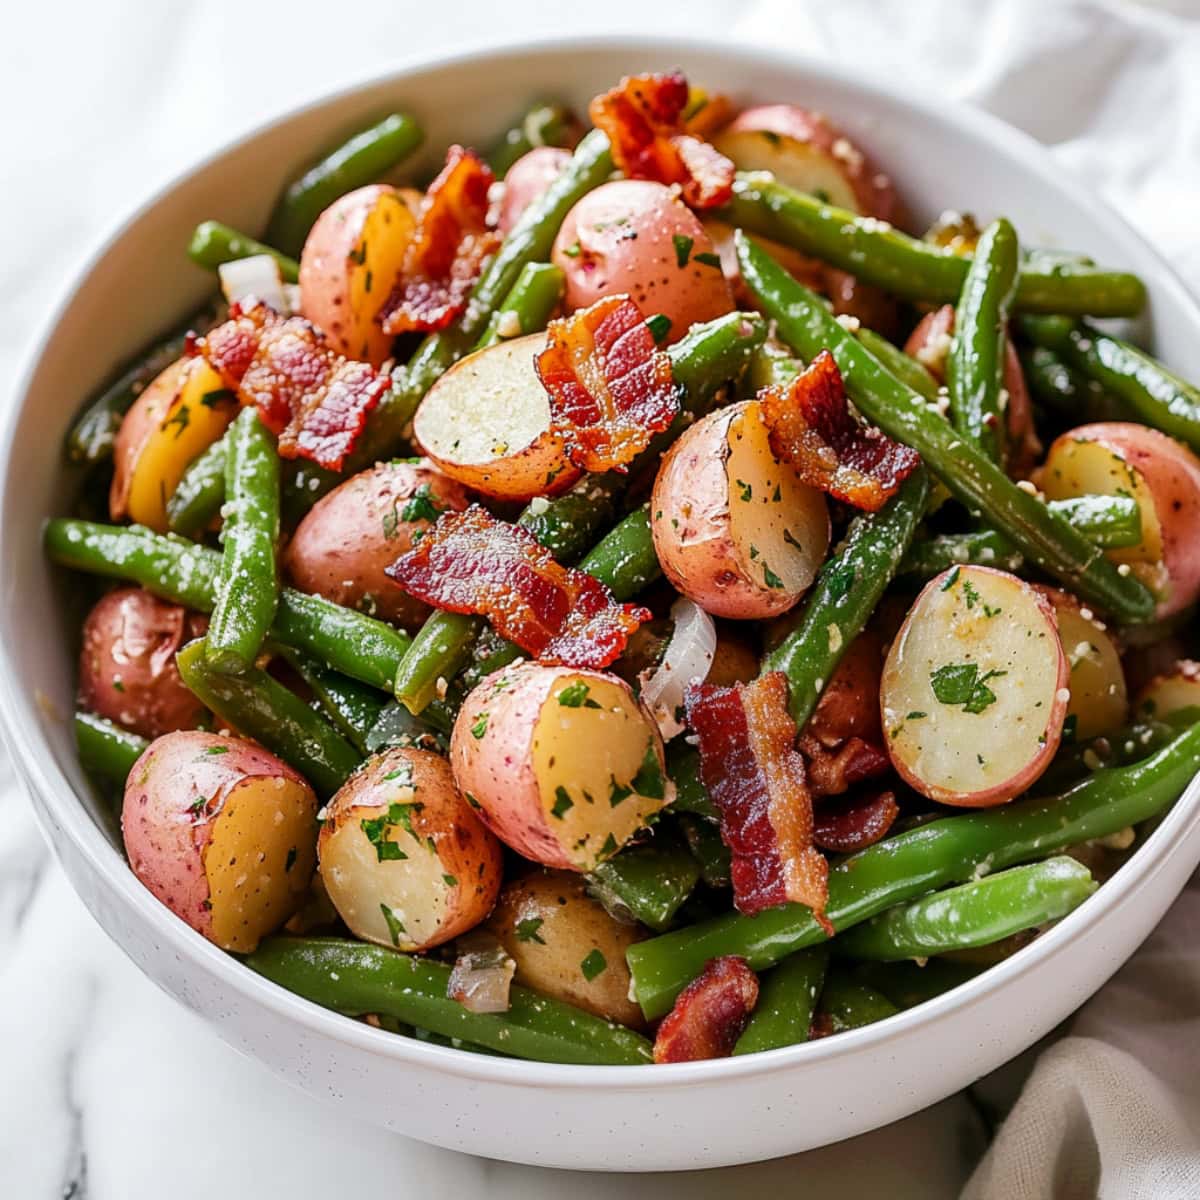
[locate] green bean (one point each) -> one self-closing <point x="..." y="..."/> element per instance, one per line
<point x="973" y="914"/>
<point x="357" y="645"/>
<point x="975" y="366"/>
<point x="90" y="439"/>
<point x="196" y="501"/>
<point x="772" y="366"/>
<point x="1106" y="521"/>
<point x="527" y="307"/>
<point x="365" y="158"/>
<point x="105" y="749"/>
<point x="683" y="769"/>
<point x="876" y="253"/>
<point x="214" y="244"/>
<point x="845" y="595"/>
<point x="438" y="651"/>
<point x="648" y="882"/>
<point x="351" y="707"/>
<point x="542" y="125"/>
<point x="354" y="978"/>
<point x="1131" y="743"/>
<point x="1066" y="391"/>
<point x="568" y="524"/>
<point x="900" y="868"/>
<point x="624" y="558"/>
<point x="708" y="849"/>
<point x="263" y="709"/>
<point x="787" y="1000"/>
<point x="396" y="726"/>
<point x="248" y="583"/>
<point x="907" y="369"/>
<point x="847" y="1004"/>
<point x="1148" y="391"/>
<point x="907" y="984"/>
<point x="1043" y="537"/>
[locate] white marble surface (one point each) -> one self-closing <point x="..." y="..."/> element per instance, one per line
<point x="107" y="1088"/>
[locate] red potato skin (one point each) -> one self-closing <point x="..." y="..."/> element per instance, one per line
<point x="1172" y="473"/>
<point x="127" y="669"/>
<point x="620" y="239"/>
<point x="342" y="546"/>
<point x="165" y="840"/>
<point x="526" y="181"/>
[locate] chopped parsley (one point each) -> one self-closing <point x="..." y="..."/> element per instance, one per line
<point x="402" y="774"/>
<point x="575" y="695"/>
<point x="391" y="522"/>
<point x="916" y="715"/>
<point x="527" y="930"/>
<point x="610" y="846"/>
<point x="450" y="881"/>
<point x="709" y="259"/>
<point x="183" y="418"/>
<point x="951" y="580"/>
<point x="217" y="750"/>
<point x="649" y="780"/>
<point x="970" y="593"/>
<point x="573" y="250"/>
<point x="961" y="683"/>
<point x="217" y="396"/>
<point x="197" y="806"/>
<point x="480" y="726"/>
<point x="745" y="490"/>
<point x="290" y="862"/>
<point x="683" y="249"/>
<point x="659" y="326"/>
<point x="394" y="925"/>
<point x="376" y="829"/>
<point x="562" y="803"/>
<point x="617" y="794"/>
<point x="593" y="965"/>
<point x="358" y="255"/>
<point x="770" y="578"/>
<point x="421" y="506"/>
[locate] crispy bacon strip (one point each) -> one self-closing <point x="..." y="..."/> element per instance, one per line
<point x="315" y="400"/>
<point x="472" y="562"/>
<point x="610" y="386"/>
<point x="834" y="770"/>
<point x="756" y="779"/>
<point x="709" y="1014"/>
<point x="857" y="824"/>
<point x="643" y="117"/>
<point x="811" y="427"/>
<point x="447" y="251"/>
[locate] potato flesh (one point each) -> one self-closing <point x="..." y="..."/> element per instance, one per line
<point x="376" y="262"/>
<point x="943" y="746"/>
<point x="797" y="164"/>
<point x="1099" y="702"/>
<point x="1081" y="468"/>
<point x="259" y="860"/>
<point x="779" y="526"/>
<point x="580" y="755"/>
<point x="1169" y="694"/>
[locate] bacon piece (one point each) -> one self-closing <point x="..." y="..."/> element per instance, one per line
<point x="709" y="1014"/>
<point x="857" y="824"/>
<point x="446" y="254"/>
<point x="755" y="777"/>
<point x="472" y="562"/>
<point x="811" y="427"/>
<point x="832" y="771"/>
<point x="643" y="117"/>
<point x="315" y="400"/>
<point x="610" y="386"/>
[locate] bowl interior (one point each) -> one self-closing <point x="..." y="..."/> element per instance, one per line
<point x="141" y="282"/>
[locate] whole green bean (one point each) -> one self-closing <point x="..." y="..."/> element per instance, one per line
<point x="845" y="595"/>
<point x="1148" y="391"/>
<point x="437" y="652"/>
<point x="197" y="499"/>
<point x="876" y="253"/>
<point x="1043" y="537"/>
<point x="1064" y="390"/>
<point x="973" y="914"/>
<point x="248" y="582"/>
<point x="263" y="709"/>
<point x="568" y="524"/>
<point x="90" y="439"/>
<point x="352" y="708"/>
<point x="354" y="978"/>
<point x="787" y="1000"/>
<point x="528" y="306"/>
<point x="683" y="769"/>
<point x="708" y="849"/>
<point x="649" y="882"/>
<point x="848" y="1004"/>
<point x="975" y="366"/>
<point x="181" y="571"/>
<point x="214" y="244"/>
<point x="542" y="125"/>
<point x="907" y="369"/>
<point x="365" y="158"/>
<point x="396" y="726"/>
<point x="624" y="559"/>
<point x="105" y="749"/>
<point x="910" y="864"/>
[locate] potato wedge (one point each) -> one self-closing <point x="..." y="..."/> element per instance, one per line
<point x="974" y="689"/>
<point x="1173" y="692"/>
<point x="179" y="415"/>
<point x="486" y="423"/>
<point x="351" y="259"/>
<point x="222" y="832"/>
<point x="565" y="945"/>
<point x="735" y="529"/>
<point x="403" y="857"/>
<point x="564" y="765"/>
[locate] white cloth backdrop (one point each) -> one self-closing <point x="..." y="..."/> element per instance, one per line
<point x="104" y="101"/>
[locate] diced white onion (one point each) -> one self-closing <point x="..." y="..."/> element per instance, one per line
<point x="482" y="974"/>
<point x="258" y="278"/>
<point x="687" y="660"/>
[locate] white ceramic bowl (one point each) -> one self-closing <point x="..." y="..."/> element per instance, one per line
<point x="625" y="1118"/>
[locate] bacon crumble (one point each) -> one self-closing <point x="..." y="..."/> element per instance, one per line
<point x="855" y="825"/>
<point x="610" y="387"/>
<point x="710" y="1014"/>
<point x="811" y="426"/>
<point x="472" y="562"/>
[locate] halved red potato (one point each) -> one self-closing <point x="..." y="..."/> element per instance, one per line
<point x="526" y="181"/>
<point x="348" y="537"/>
<point x="809" y="271"/>
<point x="806" y="151"/>
<point x="127" y="669"/>
<point x="1162" y="475"/>
<point x="974" y="689"/>
<point x="486" y="423"/>
<point x="1172" y="692"/>
<point x="404" y="858"/>
<point x="564" y="765"/>
<point x="1099" y="701"/>
<point x="734" y="528"/>
<point x="351" y="258"/>
<point x="179" y="415"/>
<point x="566" y="945"/>
<point x="222" y="832"/>
<point x="637" y="237"/>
